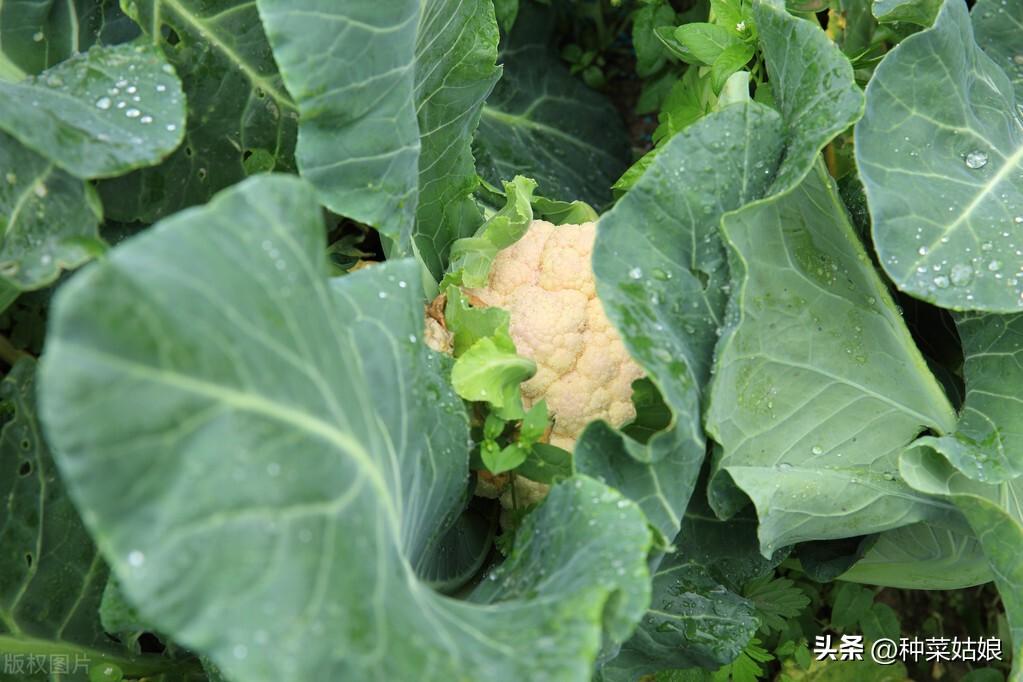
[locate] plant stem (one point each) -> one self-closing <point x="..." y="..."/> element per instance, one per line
<point x="10" y="354"/>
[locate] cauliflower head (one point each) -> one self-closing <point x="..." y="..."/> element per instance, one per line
<point x="546" y="283"/>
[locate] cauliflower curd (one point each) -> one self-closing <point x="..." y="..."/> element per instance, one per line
<point x="546" y="283"/>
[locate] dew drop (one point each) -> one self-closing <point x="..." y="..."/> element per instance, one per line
<point x="171" y="127"/>
<point x="817" y="450"/>
<point x="976" y="159"/>
<point x="133" y="113"/>
<point x="161" y="87"/>
<point x="146" y="119"/>
<point x="37" y="36"/>
<point x="635" y="273"/>
<point x="103" y="103"/>
<point x="136" y="558"/>
<point x="961" y="274"/>
<point x="994" y="266"/>
<point x="922" y="251"/>
<point x="941" y="282"/>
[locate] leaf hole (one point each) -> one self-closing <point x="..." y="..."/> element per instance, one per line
<point x="170" y="35"/>
<point x="189" y="151"/>
<point x="150" y="644"/>
<point x="28" y="559"/>
<point x="703" y="277"/>
<point x="25" y="469"/>
<point x="26" y="444"/>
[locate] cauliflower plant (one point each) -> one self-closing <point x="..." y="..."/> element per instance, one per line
<point x="546" y="283"/>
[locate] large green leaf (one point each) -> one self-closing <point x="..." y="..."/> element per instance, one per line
<point x="224" y="426"/>
<point x="389" y="110"/>
<point x="812" y="84"/>
<point x="546" y="124"/>
<point x="919" y="12"/>
<point x="923" y="556"/>
<point x="99" y="114"/>
<point x="53" y="575"/>
<point x="660" y="264"/>
<point x="988" y="441"/>
<point x="48" y="218"/>
<point x="998" y="29"/>
<point x="661" y="275"/>
<point x="940" y="152"/>
<point x="240" y="117"/>
<point x="697" y="616"/>
<point x="819" y="385"/>
<point x="37" y="35"/>
<point x="995" y="512"/>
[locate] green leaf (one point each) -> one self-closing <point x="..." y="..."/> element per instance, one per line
<point x="988" y="441"/>
<point x="879" y="622"/>
<point x="818" y="98"/>
<point x="995" y="514"/>
<point x="499" y="460"/>
<point x="693" y="622"/>
<point x="546" y="464"/>
<point x="490" y="371"/>
<point x="670" y="285"/>
<point x="48" y="218"/>
<point x="857" y="670"/>
<point x="666" y="34"/>
<point x="923" y="556"/>
<point x="99" y="114"/>
<point x="238" y="108"/>
<point x="534" y="424"/>
<point x="703" y="43"/>
<point x="660" y="270"/>
<point x="650" y="51"/>
<point x="507" y="11"/>
<point x="53" y="575"/>
<point x="471" y="257"/>
<point x="564" y="212"/>
<point x="996" y="27"/>
<point x="730" y="60"/>
<point x="919" y="12"/>
<point x="852" y="602"/>
<point x="460" y="554"/>
<point x="811" y="431"/>
<point x="697" y="615"/>
<point x="386" y="122"/>
<point x="776" y="600"/>
<point x="543" y="123"/>
<point x="468" y="324"/>
<point x="37" y="35"/>
<point x="223" y="426"/>
<point x="940" y="156"/>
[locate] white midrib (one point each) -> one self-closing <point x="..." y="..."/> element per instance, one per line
<point x="1011" y="164"/>
<point x="257" y="404"/>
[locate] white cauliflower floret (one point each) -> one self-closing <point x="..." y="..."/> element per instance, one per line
<point x="546" y="283"/>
